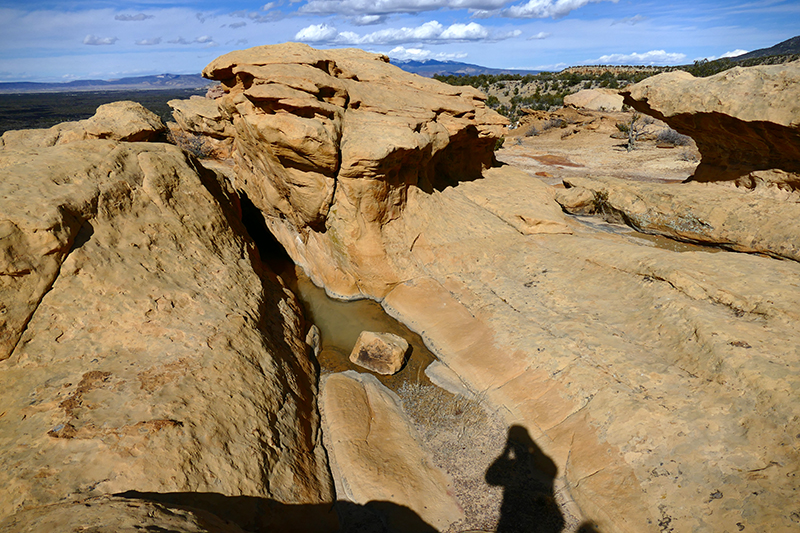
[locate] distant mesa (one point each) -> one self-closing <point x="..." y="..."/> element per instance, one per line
<point x="140" y="83"/>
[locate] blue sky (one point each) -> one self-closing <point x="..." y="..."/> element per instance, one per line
<point x="47" y="40"/>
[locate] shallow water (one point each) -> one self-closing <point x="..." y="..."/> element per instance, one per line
<point x="340" y="323"/>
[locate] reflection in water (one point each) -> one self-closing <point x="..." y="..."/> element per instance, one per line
<point x="526" y="475"/>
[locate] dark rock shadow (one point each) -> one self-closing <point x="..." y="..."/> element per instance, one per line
<point x="526" y="475"/>
<point x="263" y="515"/>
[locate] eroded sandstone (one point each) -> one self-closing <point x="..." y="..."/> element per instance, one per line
<point x="146" y="346"/>
<point x="328" y="143"/>
<point x="746" y="120"/>
<point x="756" y="221"/>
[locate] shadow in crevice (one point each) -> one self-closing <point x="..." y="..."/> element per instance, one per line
<point x="526" y="475"/>
<point x="255" y="514"/>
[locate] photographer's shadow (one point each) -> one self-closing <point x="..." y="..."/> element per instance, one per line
<point x="526" y="475"/>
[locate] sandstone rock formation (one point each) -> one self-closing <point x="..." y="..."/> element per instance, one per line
<point x="108" y="514"/>
<point x="740" y="219"/>
<point x="118" y="121"/>
<point x="328" y="143"/>
<point x="145" y="346"/>
<point x="377" y="457"/>
<point x="595" y="99"/>
<point x="384" y="353"/>
<point x="746" y="120"/>
<point x="199" y="122"/>
<point x="658" y="382"/>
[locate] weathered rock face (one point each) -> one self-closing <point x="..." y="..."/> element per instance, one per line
<point x="595" y="99"/>
<point x="384" y="353"/>
<point x="739" y="219"/>
<point x="327" y="144"/>
<point x="376" y="456"/>
<point x="200" y="124"/>
<point x="107" y="514"/>
<point x="118" y="121"/>
<point x="145" y="346"/>
<point x="746" y="121"/>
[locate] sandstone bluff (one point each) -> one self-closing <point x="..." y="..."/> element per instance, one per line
<point x="157" y="375"/>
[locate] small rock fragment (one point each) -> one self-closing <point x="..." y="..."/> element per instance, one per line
<point x="384" y="353"/>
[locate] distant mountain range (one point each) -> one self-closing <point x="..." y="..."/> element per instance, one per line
<point x="429" y="67"/>
<point x="787" y="47"/>
<point x="141" y="83"/>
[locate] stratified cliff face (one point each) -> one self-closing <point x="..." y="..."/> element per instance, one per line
<point x="144" y="346"/>
<point x="746" y="121"/>
<point x="327" y="144"/>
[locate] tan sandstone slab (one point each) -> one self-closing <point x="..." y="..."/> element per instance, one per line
<point x="376" y="456"/>
<point x="384" y="353"/>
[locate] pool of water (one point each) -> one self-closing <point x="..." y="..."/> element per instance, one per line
<point x="341" y="322"/>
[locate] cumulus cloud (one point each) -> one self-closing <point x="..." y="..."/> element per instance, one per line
<point x="99" y="41"/>
<point x="133" y="18"/>
<point x="268" y="6"/>
<point x="547" y="8"/>
<point x="431" y="31"/>
<point x="653" y="57"/>
<point x="732" y="53"/>
<point x="149" y="42"/>
<point x="383" y="7"/>
<point x="539" y="36"/>
<point x="420" y="54"/>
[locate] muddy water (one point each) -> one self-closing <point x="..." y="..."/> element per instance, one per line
<point x="340" y="324"/>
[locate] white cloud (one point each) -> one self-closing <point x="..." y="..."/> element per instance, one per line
<point x="99" y="41"/>
<point x="653" y="57"/>
<point x="465" y="32"/>
<point x="149" y="42"/>
<point x="367" y="20"/>
<point x="539" y="36"/>
<point x="383" y="7"/>
<point x="431" y="31"/>
<point x="203" y="39"/>
<point x="732" y="53"/>
<point x="235" y="25"/>
<point x="420" y="54"/>
<point x="133" y="18"/>
<point x="547" y="8"/>
<point x="317" y="33"/>
<point x="268" y="6"/>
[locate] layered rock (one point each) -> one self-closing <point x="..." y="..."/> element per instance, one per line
<point x="199" y="126"/>
<point x="117" y="121"/>
<point x="756" y="221"/>
<point x="145" y="346"/>
<point x="746" y="121"/>
<point x="328" y="143"/>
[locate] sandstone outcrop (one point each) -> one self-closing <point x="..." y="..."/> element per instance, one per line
<point x="117" y="121"/>
<point x="384" y="353"/>
<point x="595" y="99"/>
<point x="146" y="347"/>
<point x="108" y="514"/>
<point x="756" y="221"/>
<point x="200" y="125"/>
<point x="328" y="143"/>
<point x="746" y="120"/>
<point x="376" y="455"/>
